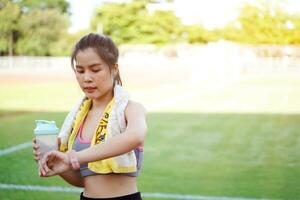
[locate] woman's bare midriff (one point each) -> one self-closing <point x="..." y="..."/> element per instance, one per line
<point x="109" y="185"/>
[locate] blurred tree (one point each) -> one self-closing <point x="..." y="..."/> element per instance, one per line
<point x="38" y="30"/>
<point x="133" y="23"/>
<point x="198" y="34"/>
<point x="28" y="5"/>
<point x="264" y="23"/>
<point x="65" y="44"/>
<point x="30" y="26"/>
<point x="293" y="29"/>
<point x="9" y="16"/>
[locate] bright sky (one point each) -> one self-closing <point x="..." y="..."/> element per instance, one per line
<point x="210" y="13"/>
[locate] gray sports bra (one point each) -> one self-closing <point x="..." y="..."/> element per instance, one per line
<point x="79" y="145"/>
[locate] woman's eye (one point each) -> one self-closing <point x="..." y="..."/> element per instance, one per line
<point x="80" y="71"/>
<point x="96" y="70"/>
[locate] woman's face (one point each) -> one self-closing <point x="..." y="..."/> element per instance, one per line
<point x="93" y="74"/>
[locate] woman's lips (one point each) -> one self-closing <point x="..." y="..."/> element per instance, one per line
<point x="90" y="89"/>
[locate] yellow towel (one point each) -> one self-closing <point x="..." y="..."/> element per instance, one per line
<point x="111" y="124"/>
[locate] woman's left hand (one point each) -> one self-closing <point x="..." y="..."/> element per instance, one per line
<point x="54" y="163"/>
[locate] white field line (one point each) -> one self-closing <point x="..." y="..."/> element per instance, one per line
<point x="69" y="189"/>
<point x="15" y="148"/>
<point x="149" y="195"/>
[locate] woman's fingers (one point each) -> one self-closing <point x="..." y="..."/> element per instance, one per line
<point x="50" y="173"/>
<point x="36" y="152"/>
<point x="47" y="164"/>
<point x="36" y="157"/>
<point x="41" y="170"/>
<point x="43" y="167"/>
<point x="36" y="147"/>
<point x="34" y="143"/>
<point x="46" y="168"/>
<point x="53" y="163"/>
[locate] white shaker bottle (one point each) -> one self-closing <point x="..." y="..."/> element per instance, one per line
<point x="46" y="135"/>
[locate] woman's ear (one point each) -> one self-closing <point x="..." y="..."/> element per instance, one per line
<point x="115" y="69"/>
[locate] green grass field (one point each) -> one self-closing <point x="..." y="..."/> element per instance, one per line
<point x="218" y="152"/>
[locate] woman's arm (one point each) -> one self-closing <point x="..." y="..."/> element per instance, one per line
<point x="73" y="177"/>
<point x="133" y="136"/>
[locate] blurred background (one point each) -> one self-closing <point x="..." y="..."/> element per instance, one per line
<point x="219" y="79"/>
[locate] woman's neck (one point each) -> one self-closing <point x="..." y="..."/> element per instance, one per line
<point x="101" y="102"/>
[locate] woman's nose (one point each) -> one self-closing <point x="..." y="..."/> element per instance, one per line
<point x="87" y="77"/>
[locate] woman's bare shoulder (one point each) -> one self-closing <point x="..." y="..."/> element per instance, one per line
<point x="134" y="107"/>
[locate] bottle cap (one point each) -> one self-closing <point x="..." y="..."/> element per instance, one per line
<point x="44" y="127"/>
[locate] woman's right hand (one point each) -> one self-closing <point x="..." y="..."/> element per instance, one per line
<point x="36" y="150"/>
<point x="54" y="163"/>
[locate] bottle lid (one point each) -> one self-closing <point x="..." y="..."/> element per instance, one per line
<point x="44" y="127"/>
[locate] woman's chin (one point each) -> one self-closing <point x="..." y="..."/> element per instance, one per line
<point x="91" y="95"/>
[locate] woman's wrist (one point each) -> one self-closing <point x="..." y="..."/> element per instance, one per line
<point x="73" y="159"/>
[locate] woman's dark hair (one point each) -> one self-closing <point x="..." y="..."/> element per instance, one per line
<point x="103" y="46"/>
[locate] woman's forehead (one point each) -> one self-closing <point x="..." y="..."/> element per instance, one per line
<point x="87" y="56"/>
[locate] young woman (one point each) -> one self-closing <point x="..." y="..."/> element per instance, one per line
<point x="103" y="149"/>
